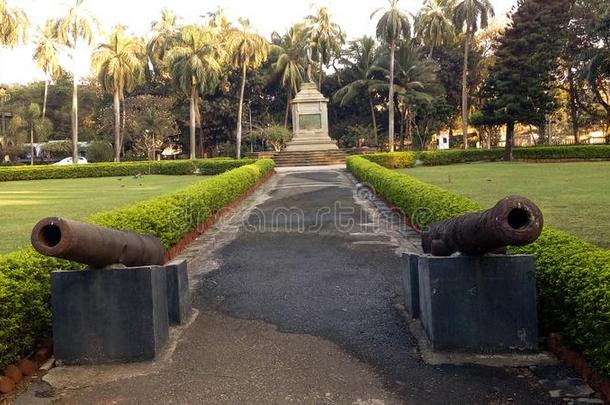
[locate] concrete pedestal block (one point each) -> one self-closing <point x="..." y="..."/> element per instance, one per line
<point x="410" y="283"/>
<point x="479" y="304"/>
<point x="178" y="293"/>
<point x="109" y="315"/>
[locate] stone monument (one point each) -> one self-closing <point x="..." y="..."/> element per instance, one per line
<point x="310" y="121"/>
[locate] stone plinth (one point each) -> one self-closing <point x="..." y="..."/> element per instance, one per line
<point x="310" y="121"/>
<point x="479" y="304"/>
<point x="109" y="315"/>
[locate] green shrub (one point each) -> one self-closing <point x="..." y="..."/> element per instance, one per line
<point x="100" y="151"/>
<point x="168" y="167"/>
<point x="25" y="315"/>
<point x="573" y="276"/>
<point x="395" y="160"/>
<point x="448" y="157"/>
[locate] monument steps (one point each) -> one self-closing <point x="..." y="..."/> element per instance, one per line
<point x="309" y="158"/>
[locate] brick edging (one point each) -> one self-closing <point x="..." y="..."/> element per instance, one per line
<point x="577" y="361"/>
<point x="200" y="229"/>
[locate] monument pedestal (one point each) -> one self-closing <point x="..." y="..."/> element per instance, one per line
<point x="310" y="121"/>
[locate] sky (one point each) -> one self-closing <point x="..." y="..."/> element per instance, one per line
<point x="16" y="65"/>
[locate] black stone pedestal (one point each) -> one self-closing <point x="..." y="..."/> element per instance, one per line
<point x="410" y="282"/>
<point x="109" y="315"/>
<point x="178" y="293"/>
<point x="479" y="304"/>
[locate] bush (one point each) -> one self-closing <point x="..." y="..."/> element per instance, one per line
<point x="25" y="315"/>
<point x="573" y="276"/>
<point x="276" y="135"/>
<point x="168" y="167"/>
<point x="395" y="160"/>
<point x="100" y="151"/>
<point x="447" y="157"/>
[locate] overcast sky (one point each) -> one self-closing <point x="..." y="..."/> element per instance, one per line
<point x="16" y="66"/>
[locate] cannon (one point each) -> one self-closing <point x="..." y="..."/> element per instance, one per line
<point x="514" y="221"/>
<point x="95" y="246"/>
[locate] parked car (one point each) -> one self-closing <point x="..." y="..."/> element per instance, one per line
<point x="68" y="161"/>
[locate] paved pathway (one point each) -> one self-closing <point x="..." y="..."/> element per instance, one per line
<point x="300" y="308"/>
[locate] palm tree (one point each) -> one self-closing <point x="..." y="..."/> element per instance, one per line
<point x="76" y="28"/>
<point x="469" y="16"/>
<point x="326" y="39"/>
<point x="415" y="81"/>
<point x="248" y="51"/>
<point x="120" y="66"/>
<point x="433" y="24"/>
<point x="13" y="25"/>
<point x="289" y="50"/>
<point x="196" y="63"/>
<point x="164" y="33"/>
<point x="29" y="121"/>
<point x="391" y="27"/>
<point x="359" y="62"/>
<point x="46" y="55"/>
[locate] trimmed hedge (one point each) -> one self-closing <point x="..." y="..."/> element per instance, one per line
<point x="394" y="160"/>
<point x="25" y="316"/>
<point x="448" y="157"/>
<point x="167" y="167"/>
<point x="573" y="276"/>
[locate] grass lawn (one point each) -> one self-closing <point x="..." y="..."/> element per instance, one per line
<point x="23" y="203"/>
<point x="574" y="197"/>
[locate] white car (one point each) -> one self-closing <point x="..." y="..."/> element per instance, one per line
<point x="68" y="161"/>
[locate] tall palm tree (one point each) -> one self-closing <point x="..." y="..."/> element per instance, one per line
<point x="433" y="23"/>
<point x="120" y="68"/>
<point x="359" y="61"/>
<point x="74" y="29"/>
<point x="415" y="80"/>
<point x="46" y="55"/>
<point x="289" y="50"/>
<point x="469" y="16"/>
<point x="163" y="34"/>
<point x="326" y="39"/>
<point x="13" y="25"/>
<point x="248" y="51"/>
<point x="196" y="65"/>
<point x="391" y="27"/>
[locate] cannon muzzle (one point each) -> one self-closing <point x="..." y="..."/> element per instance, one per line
<point x="514" y="221"/>
<point x="95" y="246"/>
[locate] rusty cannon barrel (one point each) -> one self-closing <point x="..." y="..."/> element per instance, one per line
<point x="514" y="221"/>
<point x="94" y="245"/>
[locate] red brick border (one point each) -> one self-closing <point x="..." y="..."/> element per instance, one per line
<point x="183" y="243"/>
<point x="576" y="360"/>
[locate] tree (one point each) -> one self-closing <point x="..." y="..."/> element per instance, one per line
<point x="325" y="37"/>
<point x="391" y="27"/>
<point x="289" y="68"/>
<point x="13" y="25"/>
<point x="469" y="16"/>
<point x="151" y="123"/>
<point x="433" y="25"/>
<point x="522" y="84"/>
<point x="164" y="33"/>
<point x="75" y="29"/>
<point x="28" y="120"/>
<point x="120" y="66"/>
<point x="196" y="64"/>
<point x="359" y="62"/>
<point x="415" y="82"/>
<point x="248" y="51"/>
<point x="46" y="55"/>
